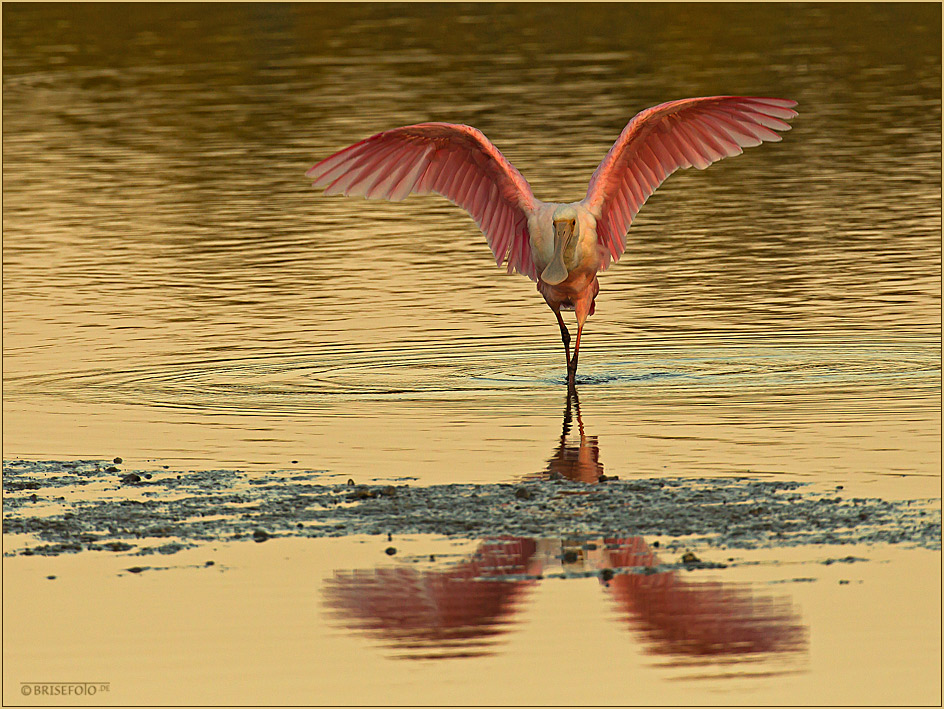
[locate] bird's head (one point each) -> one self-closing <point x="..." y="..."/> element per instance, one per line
<point x="566" y="228"/>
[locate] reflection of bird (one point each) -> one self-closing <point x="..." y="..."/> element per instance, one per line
<point x="463" y="609"/>
<point x="561" y="246"/>
<point x="580" y="462"/>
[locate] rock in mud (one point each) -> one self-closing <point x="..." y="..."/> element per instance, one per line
<point x="260" y="535"/>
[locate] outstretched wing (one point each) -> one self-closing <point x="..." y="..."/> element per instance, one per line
<point x="456" y="161"/>
<point x="661" y="139"/>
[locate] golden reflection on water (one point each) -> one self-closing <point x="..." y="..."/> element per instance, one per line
<point x="174" y="290"/>
<point x="255" y="623"/>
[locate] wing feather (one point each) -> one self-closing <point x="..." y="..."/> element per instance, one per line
<point x="408" y="183"/>
<point x="656" y="142"/>
<point x="381" y="182"/>
<point x="456" y="161"/>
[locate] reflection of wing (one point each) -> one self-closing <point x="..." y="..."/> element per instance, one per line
<point x="451" y="613"/>
<point x="699" y="619"/>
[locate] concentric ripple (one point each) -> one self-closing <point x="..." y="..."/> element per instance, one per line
<point x="291" y="382"/>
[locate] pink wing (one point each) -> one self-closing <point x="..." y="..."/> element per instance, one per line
<point x="456" y="161"/>
<point x="661" y="139"/>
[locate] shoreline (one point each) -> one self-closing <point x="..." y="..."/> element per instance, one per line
<point x="144" y="512"/>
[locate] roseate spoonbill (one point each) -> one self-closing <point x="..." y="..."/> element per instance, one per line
<point x="560" y="246"/>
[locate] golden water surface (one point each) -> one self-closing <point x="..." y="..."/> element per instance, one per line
<point x="175" y="293"/>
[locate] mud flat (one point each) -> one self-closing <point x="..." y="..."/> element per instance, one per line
<point x="58" y="507"/>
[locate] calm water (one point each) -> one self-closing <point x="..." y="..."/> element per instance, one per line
<point x="174" y="292"/>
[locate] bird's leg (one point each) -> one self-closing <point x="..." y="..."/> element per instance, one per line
<point x="572" y="364"/>
<point x="565" y="336"/>
<point x="583" y="308"/>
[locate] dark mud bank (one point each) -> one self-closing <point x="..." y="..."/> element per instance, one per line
<point x="73" y="506"/>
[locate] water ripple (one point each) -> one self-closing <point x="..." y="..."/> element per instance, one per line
<point x="290" y="383"/>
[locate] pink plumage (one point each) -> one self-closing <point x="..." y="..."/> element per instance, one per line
<point x="690" y="132"/>
<point x="456" y="161"/>
<point x="560" y="246"/>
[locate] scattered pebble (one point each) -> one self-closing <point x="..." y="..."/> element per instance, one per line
<point x="137" y="569"/>
<point x="112" y="469"/>
<point x="390" y="551"/>
<point x="171" y="548"/>
<point x="606" y="574"/>
<point x="260" y="535"/>
<point x="523" y="493"/>
<point x="690" y="558"/>
<point x="210" y="563"/>
<point x="51" y="578"/>
<point x="844" y="560"/>
<point x="569" y="556"/>
<point x="130" y="479"/>
<point x="118" y="461"/>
